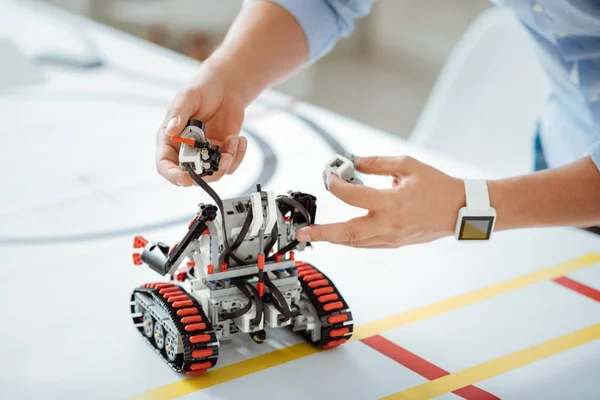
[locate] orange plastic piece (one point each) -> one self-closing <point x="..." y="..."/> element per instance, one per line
<point x="173" y="248"/>
<point x="319" y="283"/>
<point x="210" y="269"/>
<point x="195" y="327"/>
<point x="189" y="320"/>
<point x="261" y="288"/>
<point x="333" y="306"/>
<point x="328" y="297"/>
<point x="223" y="267"/>
<point x="312" y="277"/>
<point x="202" y="353"/>
<point x="278" y="257"/>
<point x="335" y="343"/>
<point x="306" y="271"/>
<point x="137" y="259"/>
<point x="322" y="291"/>
<point x="204" y="366"/>
<point x="176" y="297"/>
<point x="291" y="255"/>
<point x="336" y="319"/>
<point x="191" y="264"/>
<point x="189" y="142"/>
<point x="200" y="371"/>
<point x="162" y="285"/>
<point x="299" y="264"/>
<point x="339" y="332"/>
<point x="205" y="337"/>
<point x="184" y="303"/>
<point x="261" y="262"/>
<point x="187" y="311"/>
<point x="166" y="290"/>
<point x="139" y="242"/>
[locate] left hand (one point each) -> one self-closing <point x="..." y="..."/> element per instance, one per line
<point x="422" y="205"/>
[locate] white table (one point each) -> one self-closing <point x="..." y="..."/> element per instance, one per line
<point x="79" y="182"/>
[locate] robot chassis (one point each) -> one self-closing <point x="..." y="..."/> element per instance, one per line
<point x="234" y="281"/>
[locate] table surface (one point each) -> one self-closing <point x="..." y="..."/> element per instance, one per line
<point x="518" y="317"/>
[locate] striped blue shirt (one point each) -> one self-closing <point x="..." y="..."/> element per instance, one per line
<point x="567" y="38"/>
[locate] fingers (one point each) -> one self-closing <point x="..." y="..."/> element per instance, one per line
<point x="394" y="166"/>
<point x="361" y="196"/>
<point x="239" y="155"/>
<point x="349" y="233"/>
<point x="185" y="104"/>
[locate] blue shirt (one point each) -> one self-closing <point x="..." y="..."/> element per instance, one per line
<point x="567" y="38"/>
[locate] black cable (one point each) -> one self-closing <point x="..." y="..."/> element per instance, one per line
<point x="219" y="202"/>
<point x="259" y="305"/>
<point x="238" y="313"/>
<point x="279" y="301"/>
<point x="293" y="205"/>
<point x="241" y="235"/>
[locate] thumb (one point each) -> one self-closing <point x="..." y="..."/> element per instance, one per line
<point x="184" y="105"/>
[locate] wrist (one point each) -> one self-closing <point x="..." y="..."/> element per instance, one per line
<point x="231" y="72"/>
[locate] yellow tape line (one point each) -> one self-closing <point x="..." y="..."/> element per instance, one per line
<point x="278" y="357"/>
<point x="498" y="366"/>
<point x="382" y="325"/>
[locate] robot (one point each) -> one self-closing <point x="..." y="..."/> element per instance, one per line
<point x="233" y="272"/>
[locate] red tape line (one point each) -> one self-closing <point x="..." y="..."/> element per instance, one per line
<point x="579" y="287"/>
<point x="422" y="366"/>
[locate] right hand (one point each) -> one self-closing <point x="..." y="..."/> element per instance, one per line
<point x="207" y="98"/>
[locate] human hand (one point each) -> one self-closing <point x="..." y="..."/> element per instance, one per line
<point x="209" y="98"/>
<point x="422" y="205"/>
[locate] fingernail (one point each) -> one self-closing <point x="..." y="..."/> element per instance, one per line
<point x="303" y="236"/>
<point x="172" y="122"/>
<point x="232" y="146"/>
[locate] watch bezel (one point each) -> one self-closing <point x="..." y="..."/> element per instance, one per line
<point x="465" y="213"/>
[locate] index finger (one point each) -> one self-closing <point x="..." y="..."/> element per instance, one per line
<point x="350" y="232"/>
<point x="360" y="196"/>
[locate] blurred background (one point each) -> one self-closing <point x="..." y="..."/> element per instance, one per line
<point x="392" y="59"/>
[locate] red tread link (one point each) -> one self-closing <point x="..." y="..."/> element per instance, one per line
<point x="339" y="332"/>
<point x="323" y="290"/>
<point x="202" y="353"/>
<point x="335" y="343"/>
<point x="319" y="283"/>
<point x="195" y="327"/>
<point x="167" y="290"/>
<point x="201" y="366"/>
<point x="139" y="242"/>
<point x="328" y="297"/>
<point x="176" y="297"/>
<point x="187" y="311"/>
<point x="336" y="319"/>
<point x="137" y="259"/>
<point x="200" y="371"/>
<point x="333" y="306"/>
<point x="189" y="320"/>
<point x="313" y="277"/>
<point x="305" y="272"/>
<point x="200" y="338"/>
<point x="184" y="303"/>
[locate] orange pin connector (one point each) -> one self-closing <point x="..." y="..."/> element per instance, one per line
<point x="139" y="242"/>
<point x="291" y="255"/>
<point x="210" y="269"/>
<point x="189" y="142"/>
<point x="223" y="267"/>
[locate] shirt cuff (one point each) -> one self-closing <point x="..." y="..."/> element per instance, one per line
<point x="594" y="152"/>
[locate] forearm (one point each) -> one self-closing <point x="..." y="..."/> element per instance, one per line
<point x="264" y="45"/>
<point x="566" y="196"/>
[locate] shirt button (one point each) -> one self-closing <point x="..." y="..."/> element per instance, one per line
<point x="537" y="7"/>
<point x="593" y="97"/>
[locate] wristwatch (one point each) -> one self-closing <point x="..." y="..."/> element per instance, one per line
<point x="477" y="219"/>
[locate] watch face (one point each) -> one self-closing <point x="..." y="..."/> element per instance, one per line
<point x="476" y="228"/>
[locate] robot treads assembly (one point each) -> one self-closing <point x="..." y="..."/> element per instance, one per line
<point x="235" y="272"/>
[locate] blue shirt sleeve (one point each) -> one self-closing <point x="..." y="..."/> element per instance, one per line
<point x="324" y="22"/>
